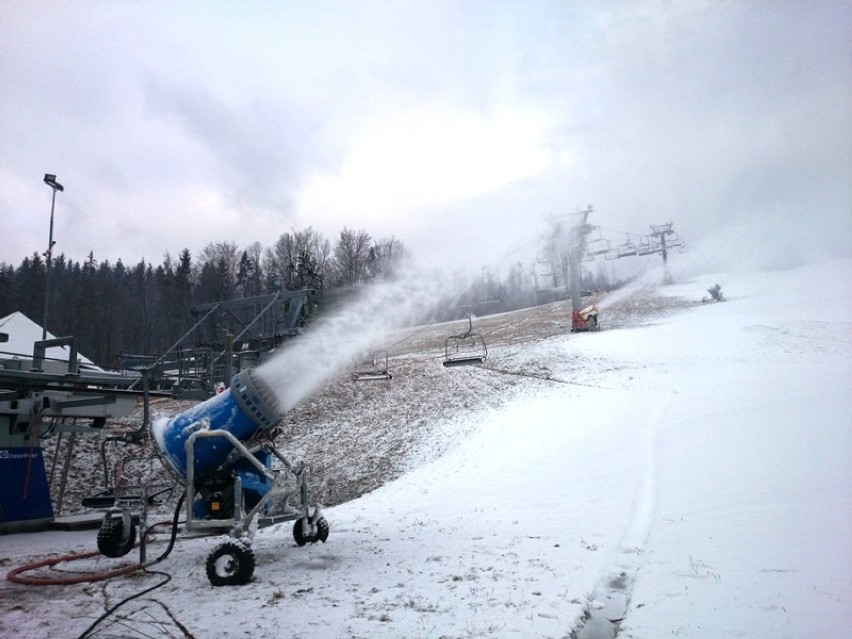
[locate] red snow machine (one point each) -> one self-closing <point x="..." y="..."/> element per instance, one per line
<point x="585" y="320"/>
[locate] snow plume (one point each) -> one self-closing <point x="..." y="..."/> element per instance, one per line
<point x="646" y="281"/>
<point x="334" y="342"/>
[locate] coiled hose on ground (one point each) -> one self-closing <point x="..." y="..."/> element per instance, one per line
<point x="17" y="575"/>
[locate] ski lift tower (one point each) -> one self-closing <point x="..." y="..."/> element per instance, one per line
<point x="575" y="243"/>
<point x="660" y="232"/>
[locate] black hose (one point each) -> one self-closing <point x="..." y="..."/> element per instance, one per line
<point x="175" y="520"/>
<point x="168" y="577"/>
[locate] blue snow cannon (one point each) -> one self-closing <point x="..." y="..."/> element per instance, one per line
<point x="223" y="452"/>
<point x="246" y="409"/>
<point x="234" y="477"/>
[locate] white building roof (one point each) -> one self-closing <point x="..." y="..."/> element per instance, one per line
<point x="24" y="333"/>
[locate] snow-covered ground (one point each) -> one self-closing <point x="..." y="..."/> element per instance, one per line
<point x="685" y="472"/>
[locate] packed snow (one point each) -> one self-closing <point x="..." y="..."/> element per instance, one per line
<point x="684" y="472"/>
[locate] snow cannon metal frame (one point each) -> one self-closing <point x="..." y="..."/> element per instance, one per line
<point x="221" y="450"/>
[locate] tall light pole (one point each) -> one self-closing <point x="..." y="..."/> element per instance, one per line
<point x="50" y="180"/>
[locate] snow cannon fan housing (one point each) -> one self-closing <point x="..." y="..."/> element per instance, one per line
<point x="247" y="408"/>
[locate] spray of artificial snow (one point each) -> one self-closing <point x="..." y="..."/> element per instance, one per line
<point x="646" y="281"/>
<point x="334" y="342"/>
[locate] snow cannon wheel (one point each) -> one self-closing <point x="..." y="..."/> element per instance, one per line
<point x="322" y="530"/>
<point x="111" y="541"/>
<point x="230" y="564"/>
<point x="302" y="537"/>
<point x="299" y="533"/>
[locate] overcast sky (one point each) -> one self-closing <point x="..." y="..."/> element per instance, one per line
<point x="456" y="127"/>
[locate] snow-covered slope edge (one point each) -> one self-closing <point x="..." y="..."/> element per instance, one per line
<point x="705" y="454"/>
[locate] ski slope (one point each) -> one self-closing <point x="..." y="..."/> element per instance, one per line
<point x="691" y="477"/>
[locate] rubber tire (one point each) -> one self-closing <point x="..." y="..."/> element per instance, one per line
<point x="321" y="535"/>
<point x="322" y="529"/>
<point x="109" y="538"/>
<point x="238" y="567"/>
<point x="298" y="534"/>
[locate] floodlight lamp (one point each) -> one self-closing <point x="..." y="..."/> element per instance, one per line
<point x="50" y="180"/>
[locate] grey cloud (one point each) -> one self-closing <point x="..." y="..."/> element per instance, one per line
<point x="261" y="151"/>
<point x="724" y="117"/>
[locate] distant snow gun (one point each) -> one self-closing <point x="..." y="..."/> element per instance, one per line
<point x="221" y="450"/>
<point x="585" y="319"/>
<point x="715" y="294"/>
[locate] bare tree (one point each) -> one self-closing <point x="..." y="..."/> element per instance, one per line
<point x="219" y="264"/>
<point x="352" y="257"/>
<point x="322" y="258"/>
<point x="254" y="279"/>
<point x="297" y="260"/>
<point x="385" y="256"/>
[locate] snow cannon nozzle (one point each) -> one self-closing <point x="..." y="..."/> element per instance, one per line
<point x="256" y="398"/>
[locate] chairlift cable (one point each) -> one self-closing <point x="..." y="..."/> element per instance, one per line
<point x="408" y="337"/>
<point x="502" y="371"/>
<point x="622" y="232"/>
<point x="515" y="250"/>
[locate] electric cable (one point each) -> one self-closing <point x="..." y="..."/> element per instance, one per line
<point x="88" y="631"/>
<point x="144" y="568"/>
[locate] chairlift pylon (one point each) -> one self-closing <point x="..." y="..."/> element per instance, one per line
<point x="465" y="348"/>
<point x="377" y="372"/>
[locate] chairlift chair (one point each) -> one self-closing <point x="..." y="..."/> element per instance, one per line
<point x="627" y="249"/>
<point x="645" y="247"/>
<point x="378" y="370"/>
<point x="674" y="241"/>
<point x="465" y="348"/>
<point x="599" y="246"/>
